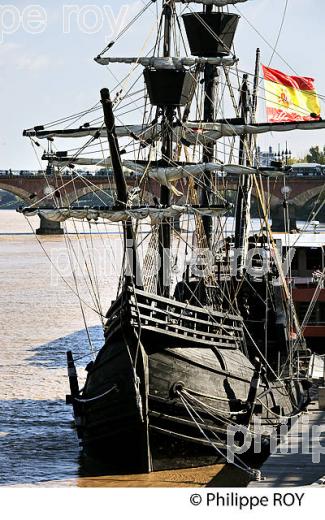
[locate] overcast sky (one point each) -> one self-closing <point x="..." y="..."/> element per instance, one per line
<point x="51" y="74"/>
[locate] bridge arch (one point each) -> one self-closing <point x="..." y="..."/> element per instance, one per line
<point x="312" y="205"/>
<point x="304" y="197"/>
<point x="101" y="191"/>
<point x="233" y="187"/>
<point x="230" y="194"/>
<point x="14" y="190"/>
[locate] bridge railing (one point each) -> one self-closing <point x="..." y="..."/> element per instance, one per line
<point x="37" y="173"/>
<point x="21" y="173"/>
<point x="40" y="173"/>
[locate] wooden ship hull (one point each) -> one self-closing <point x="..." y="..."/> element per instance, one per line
<point x="169" y="380"/>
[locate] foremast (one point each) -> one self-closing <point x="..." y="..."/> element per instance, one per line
<point x="133" y="273"/>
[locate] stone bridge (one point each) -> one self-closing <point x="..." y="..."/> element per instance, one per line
<point x="51" y="191"/>
<point x="300" y="190"/>
<point x="64" y="190"/>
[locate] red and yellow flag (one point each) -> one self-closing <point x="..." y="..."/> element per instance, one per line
<point x="290" y="98"/>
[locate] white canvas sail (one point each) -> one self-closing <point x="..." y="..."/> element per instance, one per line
<point x="156" y="215"/>
<point x="143" y="132"/>
<point x="167" y="63"/>
<point x="201" y="133"/>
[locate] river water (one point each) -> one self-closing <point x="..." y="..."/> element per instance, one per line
<point x="40" y="319"/>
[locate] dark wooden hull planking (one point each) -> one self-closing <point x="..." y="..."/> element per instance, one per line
<point x="130" y="415"/>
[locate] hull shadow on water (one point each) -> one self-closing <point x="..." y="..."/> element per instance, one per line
<point x="52" y="355"/>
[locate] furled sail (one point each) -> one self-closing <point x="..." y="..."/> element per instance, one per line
<point x="202" y="133"/>
<point x="60" y="158"/>
<point x="142" y="132"/>
<point x="165" y="175"/>
<point x="156" y="215"/>
<point x="81" y="161"/>
<point x="192" y="133"/>
<point x="167" y="63"/>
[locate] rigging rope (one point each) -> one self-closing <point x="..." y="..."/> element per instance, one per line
<point x="280" y="31"/>
<point x="240" y="464"/>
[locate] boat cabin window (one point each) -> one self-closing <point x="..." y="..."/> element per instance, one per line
<point x="306" y="261"/>
<point x="313" y="258"/>
<point x="318" y="315"/>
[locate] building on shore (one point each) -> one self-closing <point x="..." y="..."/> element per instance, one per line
<point x="264" y="158"/>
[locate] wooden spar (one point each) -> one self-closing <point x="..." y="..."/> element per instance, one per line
<point x="168" y="13"/>
<point x="210" y="86"/>
<point x="252" y="138"/>
<point x="210" y="82"/>
<point x="167" y="151"/>
<point x="256" y="84"/>
<point x="121" y="186"/>
<point x="134" y="273"/>
<point x="135" y="276"/>
<point x="244" y="189"/>
<point x="244" y="104"/>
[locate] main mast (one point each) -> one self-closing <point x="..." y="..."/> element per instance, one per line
<point x="210" y="90"/>
<point x="248" y="108"/>
<point x="210" y="34"/>
<point x="167" y="153"/>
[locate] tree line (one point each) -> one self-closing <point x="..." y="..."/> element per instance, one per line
<point x="315" y="155"/>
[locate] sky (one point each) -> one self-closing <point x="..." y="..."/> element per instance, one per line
<point x="47" y="69"/>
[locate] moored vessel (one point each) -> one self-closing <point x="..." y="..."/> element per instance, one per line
<point x="217" y="348"/>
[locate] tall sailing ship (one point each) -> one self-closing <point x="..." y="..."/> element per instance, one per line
<point x="220" y="347"/>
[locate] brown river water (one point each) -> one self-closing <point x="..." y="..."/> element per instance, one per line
<point x="40" y="319"/>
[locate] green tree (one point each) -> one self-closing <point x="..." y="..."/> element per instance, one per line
<point x="316" y="155"/>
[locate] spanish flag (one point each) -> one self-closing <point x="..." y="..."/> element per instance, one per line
<point x="290" y="98"/>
